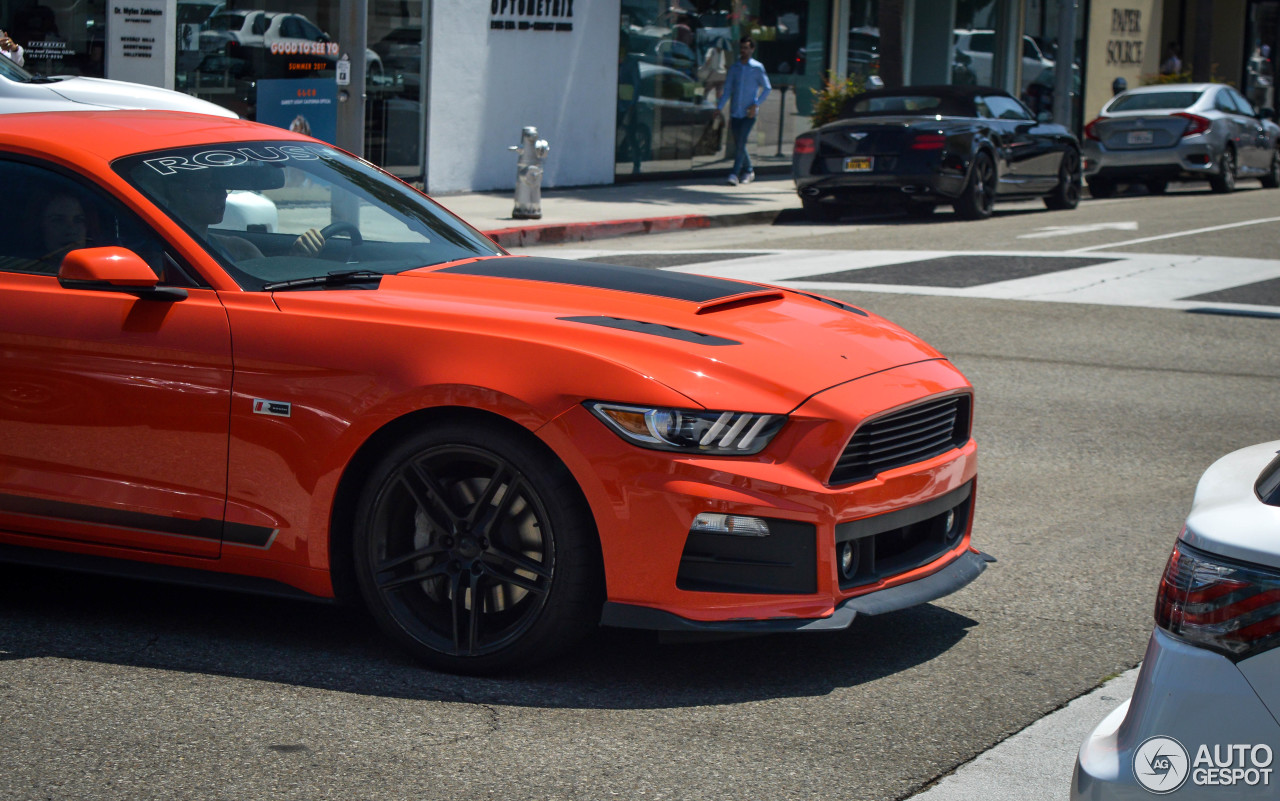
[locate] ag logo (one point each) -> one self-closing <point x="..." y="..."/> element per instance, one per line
<point x="1160" y="764"/>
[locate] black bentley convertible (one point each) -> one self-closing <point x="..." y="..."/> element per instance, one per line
<point x="923" y="146"/>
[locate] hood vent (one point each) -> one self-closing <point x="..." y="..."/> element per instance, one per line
<point x="654" y="329"/>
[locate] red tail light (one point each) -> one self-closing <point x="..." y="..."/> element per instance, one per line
<point x="1219" y="604"/>
<point x="1195" y="123"/>
<point x="1090" y="130"/>
<point x="929" y="142"/>
<point x="805" y="145"/>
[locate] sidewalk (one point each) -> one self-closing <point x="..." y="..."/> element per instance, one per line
<point x="598" y="212"/>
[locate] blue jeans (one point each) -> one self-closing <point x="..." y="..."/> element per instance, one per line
<point x="741" y="128"/>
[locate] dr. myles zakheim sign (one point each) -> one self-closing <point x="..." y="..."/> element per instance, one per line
<point x="531" y="15"/>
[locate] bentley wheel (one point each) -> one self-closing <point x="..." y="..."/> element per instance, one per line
<point x="1272" y="179"/>
<point x="978" y="198"/>
<point x="475" y="550"/>
<point x="1225" y="180"/>
<point x="1066" y="195"/>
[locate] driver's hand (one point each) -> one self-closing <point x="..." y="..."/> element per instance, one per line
<point x="309" y="244"/>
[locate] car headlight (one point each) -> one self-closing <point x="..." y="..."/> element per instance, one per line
<point x="690" y="430"/>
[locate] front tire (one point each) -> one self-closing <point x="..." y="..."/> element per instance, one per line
<point x="977" y="201"/>
<point x="1066" y="195"/>
<point x="1272" y="179"/>
<point x="474" y="549"/>
<point x="1225" y="181"/>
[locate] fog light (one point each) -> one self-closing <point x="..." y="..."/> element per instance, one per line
<point x="848" y="564"/>
<point x="738" y="525"/>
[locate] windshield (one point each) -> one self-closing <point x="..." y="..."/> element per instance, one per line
<point x="13" y="72"/>
<point x="1147" y="101"/>
<point x="280" y="211"/>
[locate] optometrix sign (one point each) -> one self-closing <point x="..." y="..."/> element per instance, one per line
<point x="531" y="15"/>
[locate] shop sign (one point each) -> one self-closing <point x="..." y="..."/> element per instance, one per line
<point x="305" y="105"/>
<point x="138" y="46"/>
<point x="531" y="15"/>
<point x="1125" y="44"/>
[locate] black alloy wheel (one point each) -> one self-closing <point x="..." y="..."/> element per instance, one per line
<point x="1066" y="195"/>
<point x="1272" y="179"/>
<point x="978" y="199"/>
<point x="475" y="550"/>
<point x="1225" y="181"/>
<point x="1101" y="187"/>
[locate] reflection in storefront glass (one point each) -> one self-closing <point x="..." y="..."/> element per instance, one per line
<point x="279" y="63"/>
<point x="57" y="38"/>
<point x="673" y="58"/>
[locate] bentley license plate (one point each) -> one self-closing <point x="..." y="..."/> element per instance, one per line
<point x="858" y="164"/>
<point x="1140" y="138"/>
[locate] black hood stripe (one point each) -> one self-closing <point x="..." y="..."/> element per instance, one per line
<point x="658" y="283"/>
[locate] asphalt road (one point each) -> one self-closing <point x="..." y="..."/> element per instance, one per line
<point x="1094" y="422"/>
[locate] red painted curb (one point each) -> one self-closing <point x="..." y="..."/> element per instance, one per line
<point x="581" y="232"/>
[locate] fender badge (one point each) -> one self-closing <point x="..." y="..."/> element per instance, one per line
<point x="272" y="408"/>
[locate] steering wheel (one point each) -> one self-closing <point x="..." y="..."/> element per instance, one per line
<point x="340" y="227"/>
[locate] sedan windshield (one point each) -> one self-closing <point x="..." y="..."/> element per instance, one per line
<point x="1149" y="101"/>
<point x="278" y="212"/>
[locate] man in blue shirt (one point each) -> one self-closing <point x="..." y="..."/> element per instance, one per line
<point x="745" y="88"/>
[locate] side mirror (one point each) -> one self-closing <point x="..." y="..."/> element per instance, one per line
<point x="114" y="269"/>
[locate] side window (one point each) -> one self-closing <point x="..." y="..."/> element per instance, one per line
<point x="61" y="213"/>
<point x="1029" y="49"/>
<point x="983" y="43"/>
<point x="1006" y="108"/>
<point x="260" y="24"/>
<point x="1223" y="103"/>
<point x="984" y="111"/>
<point x="1244" y="105"/>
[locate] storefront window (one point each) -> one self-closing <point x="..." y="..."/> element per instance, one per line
<point x="673" y="59"/>
<point x="277" y="62"/>
<point x="57" y="38"/>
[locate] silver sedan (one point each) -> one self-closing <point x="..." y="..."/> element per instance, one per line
<point x="1156" y="134"/>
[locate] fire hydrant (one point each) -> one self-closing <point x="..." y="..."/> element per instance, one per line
<point x="533" y="151"/>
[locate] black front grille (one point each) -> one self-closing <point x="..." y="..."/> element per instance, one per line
<point x="905" y="437"/>
<point x="887" y="545"/>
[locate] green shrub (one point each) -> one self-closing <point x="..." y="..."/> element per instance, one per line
<point x="829" y="101"/>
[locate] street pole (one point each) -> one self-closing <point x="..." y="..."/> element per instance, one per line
<point x="354" y="31"/>
<point x="1064" y="65"/>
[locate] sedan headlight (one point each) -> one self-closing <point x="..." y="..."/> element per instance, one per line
<point x="689" y="430"/>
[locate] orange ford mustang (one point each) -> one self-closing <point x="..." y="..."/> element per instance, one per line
<point x="233" y="354"/>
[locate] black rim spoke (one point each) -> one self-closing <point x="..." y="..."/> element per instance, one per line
<point x="435" y="571"/>
<point x="429" y="496"/>
<point x="457" y="608"/>
<point x="503" y="477"/>
<point x="473" y="621"/>
<point x="413" y="556"/>
<point x="498" y="554"/>
<point x="507" y="576"/>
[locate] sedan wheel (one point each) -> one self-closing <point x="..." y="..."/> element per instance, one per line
<point x="475" y="550"/>
<point x="1272" y="179"/>
<point x="978" y="198"/>
<point x="1066" y="195"/>
<point x="1225" y="180"/>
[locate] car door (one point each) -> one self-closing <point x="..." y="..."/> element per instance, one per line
<point x="114" y="408"/>
<point x="1030" y="160"/>
<point x="1255" y="145"/>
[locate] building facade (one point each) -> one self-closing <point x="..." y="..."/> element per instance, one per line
<point x="438" y="90"/>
